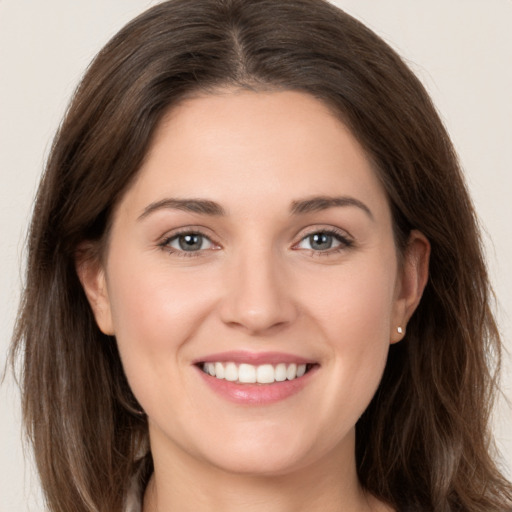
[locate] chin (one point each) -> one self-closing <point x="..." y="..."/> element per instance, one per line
<point x="267" y="452"/>
<point x="260" y="463"/>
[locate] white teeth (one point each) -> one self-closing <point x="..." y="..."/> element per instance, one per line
<point x="248" y="373"/>
<point x="280" y="373"/>
<point x="291" y="371"/>
<point x="210" y="368"/>
<point x="265" y="374"/>
<point x="231" y="372"/>
<point x="219" y="370"/>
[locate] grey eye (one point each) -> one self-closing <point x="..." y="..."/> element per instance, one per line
<point x="190" y="242"/>
<point x="320" y="241"/>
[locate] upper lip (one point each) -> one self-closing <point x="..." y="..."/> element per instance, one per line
<point x="254" y="358"/>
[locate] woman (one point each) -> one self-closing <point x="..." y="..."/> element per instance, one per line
<point x="255" y="278"/>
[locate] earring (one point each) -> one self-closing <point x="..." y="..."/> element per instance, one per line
<point x="400" y="330"/>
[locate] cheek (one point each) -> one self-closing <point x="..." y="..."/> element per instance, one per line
<point x="156" y="319"/>
<point x="355" y="311"/>
<point x="355" y="301"/>
<point x="155" y="313"/>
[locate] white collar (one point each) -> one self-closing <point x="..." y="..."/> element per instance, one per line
<point x="133" y="498"/>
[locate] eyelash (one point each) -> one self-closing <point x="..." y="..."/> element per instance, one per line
<point x="340" y="236"/>
<point x="185" y="254"/>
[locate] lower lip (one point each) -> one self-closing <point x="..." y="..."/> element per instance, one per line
<point x="257" y="394"/>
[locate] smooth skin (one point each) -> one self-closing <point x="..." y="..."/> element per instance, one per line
<point x="254" y="278"/>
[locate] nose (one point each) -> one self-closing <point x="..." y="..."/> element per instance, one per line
<point x="258" y="296"/>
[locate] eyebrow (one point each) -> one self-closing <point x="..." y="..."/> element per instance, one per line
<point x="202" y="206"/>
<point x="299" y="207"/>
<point x="318" y="203"/>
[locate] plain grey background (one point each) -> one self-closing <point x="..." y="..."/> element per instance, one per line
<point x="461" y="50"/>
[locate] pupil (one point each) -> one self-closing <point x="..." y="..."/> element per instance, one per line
<point x="190" y="242"/>
<point x="320" y="241"/>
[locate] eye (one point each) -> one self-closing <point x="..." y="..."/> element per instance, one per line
<point x="324" y="241"/>
<point x="188" y="242"/>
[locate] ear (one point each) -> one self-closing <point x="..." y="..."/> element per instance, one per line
<point x="411" y="281"/>
<point x="92" y="276"/>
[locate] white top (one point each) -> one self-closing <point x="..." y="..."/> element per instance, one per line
<point x="132" y="503"/>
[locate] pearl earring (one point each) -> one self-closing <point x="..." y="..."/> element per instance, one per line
<point x="400" y="330"/>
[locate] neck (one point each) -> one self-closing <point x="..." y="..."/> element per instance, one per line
<point x="182" y="482"/>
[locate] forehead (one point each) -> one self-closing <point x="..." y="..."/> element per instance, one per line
<point x="244" y="148"/>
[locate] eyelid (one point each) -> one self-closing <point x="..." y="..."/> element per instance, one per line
<point x="345" y="239"/>
<point x="342" y="233"/>
<point x="185" y="230"/>
<point x="165" y="240"/>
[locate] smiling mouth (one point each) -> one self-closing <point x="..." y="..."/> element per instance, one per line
<point x="255" y="374"/>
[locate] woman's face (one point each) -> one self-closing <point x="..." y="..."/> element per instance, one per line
<point x="256" y="239"/>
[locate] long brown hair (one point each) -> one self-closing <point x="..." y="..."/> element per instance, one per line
<point x="424" y="442"/>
